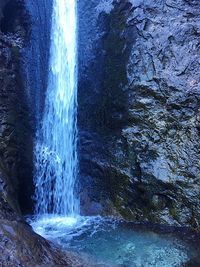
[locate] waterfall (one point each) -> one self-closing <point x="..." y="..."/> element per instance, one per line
<point x="56" y="142"/>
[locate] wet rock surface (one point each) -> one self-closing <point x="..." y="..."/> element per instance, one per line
<point x="20" y="246"/>
<point x="15" y="130"/>
<point x="139" y="111"/>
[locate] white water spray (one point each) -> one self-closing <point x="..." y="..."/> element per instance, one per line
<point x="56" y="144"/>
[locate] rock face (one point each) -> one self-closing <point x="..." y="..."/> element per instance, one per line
<point x="139" y="113"/>
<point x="35" y="55"/>
<point x="15" y="131"/>
<point x="2" y="5"/>
<point x="20" y="246"/>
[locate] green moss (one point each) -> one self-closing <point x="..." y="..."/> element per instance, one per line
<point x="173" y="213"/>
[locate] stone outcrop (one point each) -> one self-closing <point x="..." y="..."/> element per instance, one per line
<point x="139" y="111"/>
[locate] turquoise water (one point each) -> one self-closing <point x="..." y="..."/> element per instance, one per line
<point x="106" y="241"/>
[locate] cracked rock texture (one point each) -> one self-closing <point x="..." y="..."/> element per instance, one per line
<point x="139" y="111"/>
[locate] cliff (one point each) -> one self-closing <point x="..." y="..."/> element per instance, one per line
<point x="139" y="111"/>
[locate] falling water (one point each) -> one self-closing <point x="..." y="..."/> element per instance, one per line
<point x="56" y="144"/>
<point x="107" y="241"/>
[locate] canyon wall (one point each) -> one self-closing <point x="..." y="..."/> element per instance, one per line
<point x="139" y="113"/>
<point x="15" y="131"/>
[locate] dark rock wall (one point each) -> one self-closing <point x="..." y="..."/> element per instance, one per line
<point x="2" y="5"/>
<point x="34" y="70"/>
<point x="139" y="140"/>
<point x="36" y="55"/>
<point x="91" y="68"/>
<point x="15" y="130"/>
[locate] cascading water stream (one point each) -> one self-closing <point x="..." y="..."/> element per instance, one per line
<point x="56" y="144"/>
<point x="106" y="241"/>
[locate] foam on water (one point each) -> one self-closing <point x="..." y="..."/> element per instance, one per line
<point x="106" y="241"/>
